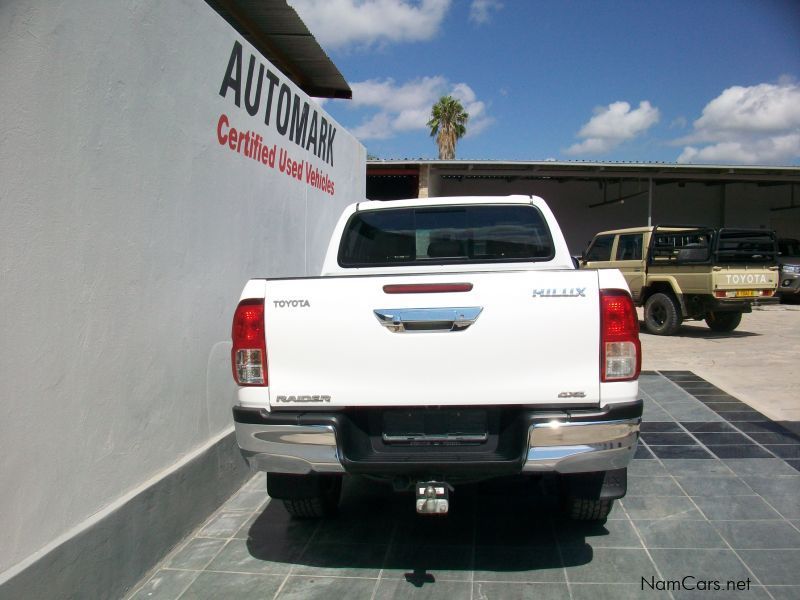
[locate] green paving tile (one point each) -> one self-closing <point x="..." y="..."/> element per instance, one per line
<point x="661" y="507"/>
<point x="341" y="560"/>
<point x="774" y="567"/>
<point x="196" y="554"/>
<point x="241" y="557"/>
<point x="487" y="590"/>
<point x="718" y="564"/>
<point x="759" y="534"/>
<point x="607" y="565"/>
<point x="423" y="589"/>
<point x="326" y="588"/>
<point x="735" y="508"/>
<point x="653" y="486"/>
<point x="241" y="586"/>
<point x="224" y="524"/>
<point x="784" y="592"/>
<point x="679" y="534"/>
<point x="608" y="591"/>
<point x="699" y="485"/>
<point x="442" y="562"/>
<point x="611" y="534"/>
<point x="760" y="467"/>
<point x="165" y="585"/>
<point x="497" y="563"/>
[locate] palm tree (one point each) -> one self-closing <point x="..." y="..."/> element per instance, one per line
<point x="448" y="123"/>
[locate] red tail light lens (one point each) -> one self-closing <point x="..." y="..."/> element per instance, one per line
<point x="249" y="352"/>
<point x="620" y="349"/>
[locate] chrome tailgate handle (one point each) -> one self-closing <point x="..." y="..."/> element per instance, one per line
<point x="412" y="320"/>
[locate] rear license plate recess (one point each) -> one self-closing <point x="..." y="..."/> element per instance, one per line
<point x="435" y="426"/>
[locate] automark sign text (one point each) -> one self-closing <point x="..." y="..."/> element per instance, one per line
<point x="285" y="112"/>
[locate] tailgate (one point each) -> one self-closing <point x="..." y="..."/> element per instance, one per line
<point x="745" y="281"/>
<point x="522" y="337"/>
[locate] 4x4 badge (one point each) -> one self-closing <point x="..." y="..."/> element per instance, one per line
<point x="572" y="395"/>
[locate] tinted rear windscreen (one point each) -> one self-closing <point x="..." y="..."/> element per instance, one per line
<point x="445" y="234"/>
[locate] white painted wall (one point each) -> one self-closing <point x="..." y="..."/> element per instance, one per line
<point x="127" y="233"/>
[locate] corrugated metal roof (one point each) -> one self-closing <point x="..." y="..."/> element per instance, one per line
<point x="275" y="29"/>
<point x="594" y="169"/>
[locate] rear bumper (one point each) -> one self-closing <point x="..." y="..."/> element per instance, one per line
<point x="574" y="441"/>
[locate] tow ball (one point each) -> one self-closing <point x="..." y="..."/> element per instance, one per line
<point x="433" y="497"/>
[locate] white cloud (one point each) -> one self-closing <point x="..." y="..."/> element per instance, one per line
<point x="759" y="124"/>
<point x="480" y="11"/>
<point x="478" y="120"/>
<point x="767" y="150"/>
<point x="395" y="98"/>
<point x="613" y="124"/>
<point x="407" y="106"/>
<point x="339" y="23"/>
<point x="379" y="127"/>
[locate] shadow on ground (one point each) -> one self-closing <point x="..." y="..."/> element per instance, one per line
<point x="499" y="526"/>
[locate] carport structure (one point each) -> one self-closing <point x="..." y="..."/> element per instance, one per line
<point x="588" y="197"/>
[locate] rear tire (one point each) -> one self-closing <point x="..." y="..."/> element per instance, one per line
<point x="310" y="508"/>
<point x="306" y="496"/>
<point x="584" y="509"/>
<point x="723" y="321"/>
<point x="662" y="315"/>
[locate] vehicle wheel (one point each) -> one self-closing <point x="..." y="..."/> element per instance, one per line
<point x="306" y="496"/>
<point x="723" y="321"/>
<point x="584" y="509"/>
<point x="662" y="316"/>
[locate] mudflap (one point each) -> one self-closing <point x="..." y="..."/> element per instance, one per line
<point x="602" y="485"/>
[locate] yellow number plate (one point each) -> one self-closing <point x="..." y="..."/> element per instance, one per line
<point x="746" y="293"/>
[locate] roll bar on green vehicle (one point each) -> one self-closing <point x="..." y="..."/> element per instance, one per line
<point x="690" y="272"/>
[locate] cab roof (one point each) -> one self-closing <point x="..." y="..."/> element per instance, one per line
<point x="448" y="201"/>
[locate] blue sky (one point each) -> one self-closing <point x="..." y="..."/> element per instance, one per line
<point x="692" y="82"/>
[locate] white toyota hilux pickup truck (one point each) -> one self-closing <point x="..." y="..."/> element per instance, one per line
<point x="447" y="340"/>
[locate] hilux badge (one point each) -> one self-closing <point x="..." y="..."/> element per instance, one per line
<point x="560" y="292"/>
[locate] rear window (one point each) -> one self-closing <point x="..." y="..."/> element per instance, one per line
<point x="445" y="235"/>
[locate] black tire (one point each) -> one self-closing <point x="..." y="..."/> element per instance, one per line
<point x="723" y="321"/>
<point x="584" y="509"/>
<point x="662" y="315"/>
<point x="323" y="504"/>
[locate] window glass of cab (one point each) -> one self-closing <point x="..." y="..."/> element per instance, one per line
<point x="600" y="248"/>
<point x="629" y="246"/>
<point x="451" y="234"/>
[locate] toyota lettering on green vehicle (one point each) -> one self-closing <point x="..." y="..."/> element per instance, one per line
<point x="680" y="273"/>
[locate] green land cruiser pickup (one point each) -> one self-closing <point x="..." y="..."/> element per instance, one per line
<point x="685" y="272"/>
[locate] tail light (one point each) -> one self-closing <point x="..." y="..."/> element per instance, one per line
<point x="620" y="349"/>
<point x="249" y="352"/>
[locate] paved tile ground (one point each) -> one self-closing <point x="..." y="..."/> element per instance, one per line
<point x="713" y="496"/>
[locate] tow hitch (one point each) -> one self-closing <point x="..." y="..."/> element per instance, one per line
<point x="433" y="497"/>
